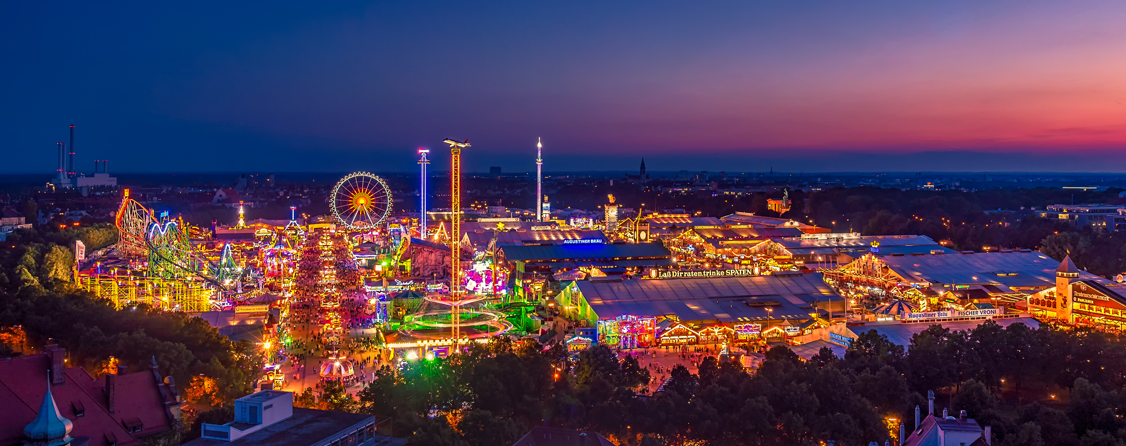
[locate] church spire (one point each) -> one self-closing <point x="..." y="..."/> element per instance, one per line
<point x="49" y="428"/>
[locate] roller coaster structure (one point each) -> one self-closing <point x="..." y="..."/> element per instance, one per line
<point x="166" y="247"/>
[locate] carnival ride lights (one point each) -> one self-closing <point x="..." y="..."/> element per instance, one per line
<point x="360" y="201"/>
<point x="539" y="179"/>
<point x="422" y="193"/>
<point x="437" y="318"/>
<point x="454" y="317"/>
<point x="169" y="252"/>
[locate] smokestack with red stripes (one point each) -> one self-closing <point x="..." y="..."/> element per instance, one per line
<point x="70" y="168"/>
<point x="62" y="161"/>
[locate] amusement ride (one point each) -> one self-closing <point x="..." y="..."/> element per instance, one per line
<point x="452" y="318"/>
<point x="335" y="274"/>
<point x="360" y="202"/>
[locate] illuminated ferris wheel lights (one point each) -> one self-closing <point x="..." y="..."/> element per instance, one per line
<point x="360" y="201"/>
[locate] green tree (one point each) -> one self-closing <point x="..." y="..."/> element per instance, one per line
<point x="482" y="428"/>
<point x="334" y="396"/>
<point x="57" y="264"/>
<point x="1027" y="434"/>
<point x="974" y="398"/>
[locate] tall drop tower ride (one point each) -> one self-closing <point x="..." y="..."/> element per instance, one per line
<point x="539" y="179"/>
<point x="422" y="194"/>
<point x="455" y="232"/>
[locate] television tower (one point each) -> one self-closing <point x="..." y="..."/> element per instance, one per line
<point x="539" y="179"/>
<point x="455" y="233"/>
<point x="422" y="193"/>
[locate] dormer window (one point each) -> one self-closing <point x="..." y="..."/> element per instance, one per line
<point x="79" y="409"/>
<point x="134" y="425"/>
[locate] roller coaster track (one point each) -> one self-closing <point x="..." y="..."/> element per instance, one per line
<point x="166" y="245"/>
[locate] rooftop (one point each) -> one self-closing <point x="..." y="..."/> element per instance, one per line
<point x="900" y="334"/>
<point x="584" y="251"/>
<point x="1012" y="269"/>
<point x="729" y="299"/>
<point x="305" y="427"/>
<point x="546" y="436"/>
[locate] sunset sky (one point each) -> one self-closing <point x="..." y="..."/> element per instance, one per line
<point x="739" y="86"/>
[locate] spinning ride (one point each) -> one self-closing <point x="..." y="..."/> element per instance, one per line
<point x="360" y="201"/>
<point x="454" y="317"/>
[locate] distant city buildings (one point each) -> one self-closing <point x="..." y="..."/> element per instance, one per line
<point x="1100" y="216"/>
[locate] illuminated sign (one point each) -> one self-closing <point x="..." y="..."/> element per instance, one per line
<point x="706" y="274"/>
<point x="928" y="315"/>
<point x="1089" y="295"/>
<point x="978" y="313"/>
<point x="242" y="309"/>
<point x="840" y="339"/>
<point x="954" y="314"/>
<point x="584" y="241"/>
<point x="747" y="331"/>
<point x="792" y="330"/>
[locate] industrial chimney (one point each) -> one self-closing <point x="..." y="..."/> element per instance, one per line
<point x="62" y="162"/>
<point x="71" y="169"/>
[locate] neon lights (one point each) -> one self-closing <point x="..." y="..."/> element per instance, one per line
<point x="422" y="193"/>
<point x="584" y="241"/>
<point x="627" y="331"/>
<point x="706" y="273"/>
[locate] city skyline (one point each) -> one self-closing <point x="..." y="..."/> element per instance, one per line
<point x="874" y="86"/>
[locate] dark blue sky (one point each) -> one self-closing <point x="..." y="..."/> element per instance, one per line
<point x="736" y="86"/>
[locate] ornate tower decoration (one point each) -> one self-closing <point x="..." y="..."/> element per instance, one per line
<point x="241" y="216"/>
<point x="49" y="428"/>
<point x="1066" y="275"/>
<point x="611" y="218"/>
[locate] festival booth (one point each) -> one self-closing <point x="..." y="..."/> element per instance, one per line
<point x="896" y="310"/>
<point x="640" y="313"/>
<point x="578" y="343"/>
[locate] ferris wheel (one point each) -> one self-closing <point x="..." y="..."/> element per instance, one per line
<point x="360" y="201"/>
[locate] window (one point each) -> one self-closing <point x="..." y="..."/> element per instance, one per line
<point x="216" y="434"/>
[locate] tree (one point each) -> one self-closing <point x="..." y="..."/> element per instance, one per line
<point x="1092" y="409"/>
<point x="219" y="415"/>
<point x="930" y="367"/>
<point x="482" y="428"/>
<point x="649" y="440"/>
<point x="57" y="264"/>
<point x="1027" y="434"/>
<point x="30" y="211"/>
<point x="434" y="432"/>
<point x="871" y="351"/>
<point x="974" y="398"/>
<point x="202" y="392"/>
<point x="334" y="396"/>
<point x="1022" y="354"/>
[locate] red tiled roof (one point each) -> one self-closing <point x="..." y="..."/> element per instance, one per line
<point x="23" y="383"/>
<point x="232" y="196"/>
